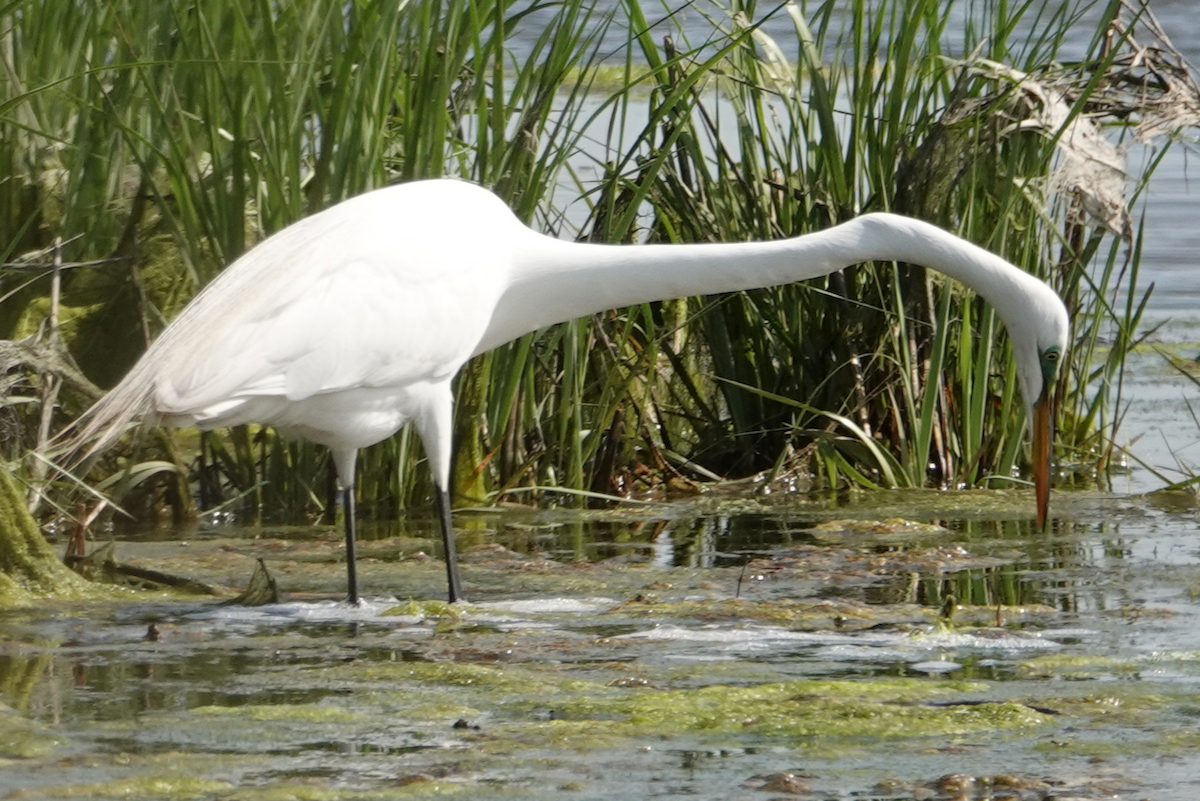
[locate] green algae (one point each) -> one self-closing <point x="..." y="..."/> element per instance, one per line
<point x="412" y="786"/>
<point x="169" y="787"/>
<point x="876" y="708"/>
<point x="873" y="530"/>
<point x="181" y="788"/>
<point x="886" y="708"/>
<point x="424" y="609"/>
<point x="176" y="788"/>
<point x="24" y="739"/>
<point x="449" y="685"/>
<point x="1077" y="666"/>
<point x="290" y="713"/>
<point x="446" y="673"/>
<point x="1148" y="725"/>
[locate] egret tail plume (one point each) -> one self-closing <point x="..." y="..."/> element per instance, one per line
<point x="130" y="402"/>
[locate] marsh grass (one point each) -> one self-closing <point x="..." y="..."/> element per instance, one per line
<point x="162" y="139"/>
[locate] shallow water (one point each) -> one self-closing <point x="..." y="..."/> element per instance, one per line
<point x="711" y="648"/>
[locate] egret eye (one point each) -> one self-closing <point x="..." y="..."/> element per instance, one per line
<point x="1048" y="361"/>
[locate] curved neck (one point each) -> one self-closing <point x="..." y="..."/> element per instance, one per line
<point x="552" y="281"/>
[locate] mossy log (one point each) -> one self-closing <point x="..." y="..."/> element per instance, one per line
<point x="101" y="565"/>
<point x="29" y="568"/>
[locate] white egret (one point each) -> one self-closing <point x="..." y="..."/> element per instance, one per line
<point x="351" y="322"/>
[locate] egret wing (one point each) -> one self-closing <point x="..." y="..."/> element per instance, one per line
<point x="342" y="302"/>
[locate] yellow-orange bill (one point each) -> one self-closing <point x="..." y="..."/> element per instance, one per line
<point x="1042" y="427"/>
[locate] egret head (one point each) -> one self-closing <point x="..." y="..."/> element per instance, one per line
<point x="1040" y="334"/>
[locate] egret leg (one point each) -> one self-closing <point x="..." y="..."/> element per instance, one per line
<point x="351" y="555"/>
<point x="452" y="579"/>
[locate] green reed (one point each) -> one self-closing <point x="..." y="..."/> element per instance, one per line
<point x="162" y="139"/>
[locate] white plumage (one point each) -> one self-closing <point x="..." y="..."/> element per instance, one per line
<point x="347" y="324"/>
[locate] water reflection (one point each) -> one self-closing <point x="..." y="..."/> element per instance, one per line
<point x="64" y="685"/>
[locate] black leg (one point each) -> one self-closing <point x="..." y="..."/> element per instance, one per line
<point x="452" y="579"/>
<point x="351" y="556"/>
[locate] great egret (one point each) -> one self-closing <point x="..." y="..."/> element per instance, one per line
<point x="351" y="322"/>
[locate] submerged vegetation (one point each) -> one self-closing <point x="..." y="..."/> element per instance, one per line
<point x="820" y="675"/>
<point x="147" y="144"/>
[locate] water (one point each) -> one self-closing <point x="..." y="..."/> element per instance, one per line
<point x="703" y="648"/>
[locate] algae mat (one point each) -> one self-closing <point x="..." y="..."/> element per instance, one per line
<point x="711" y="650"/>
